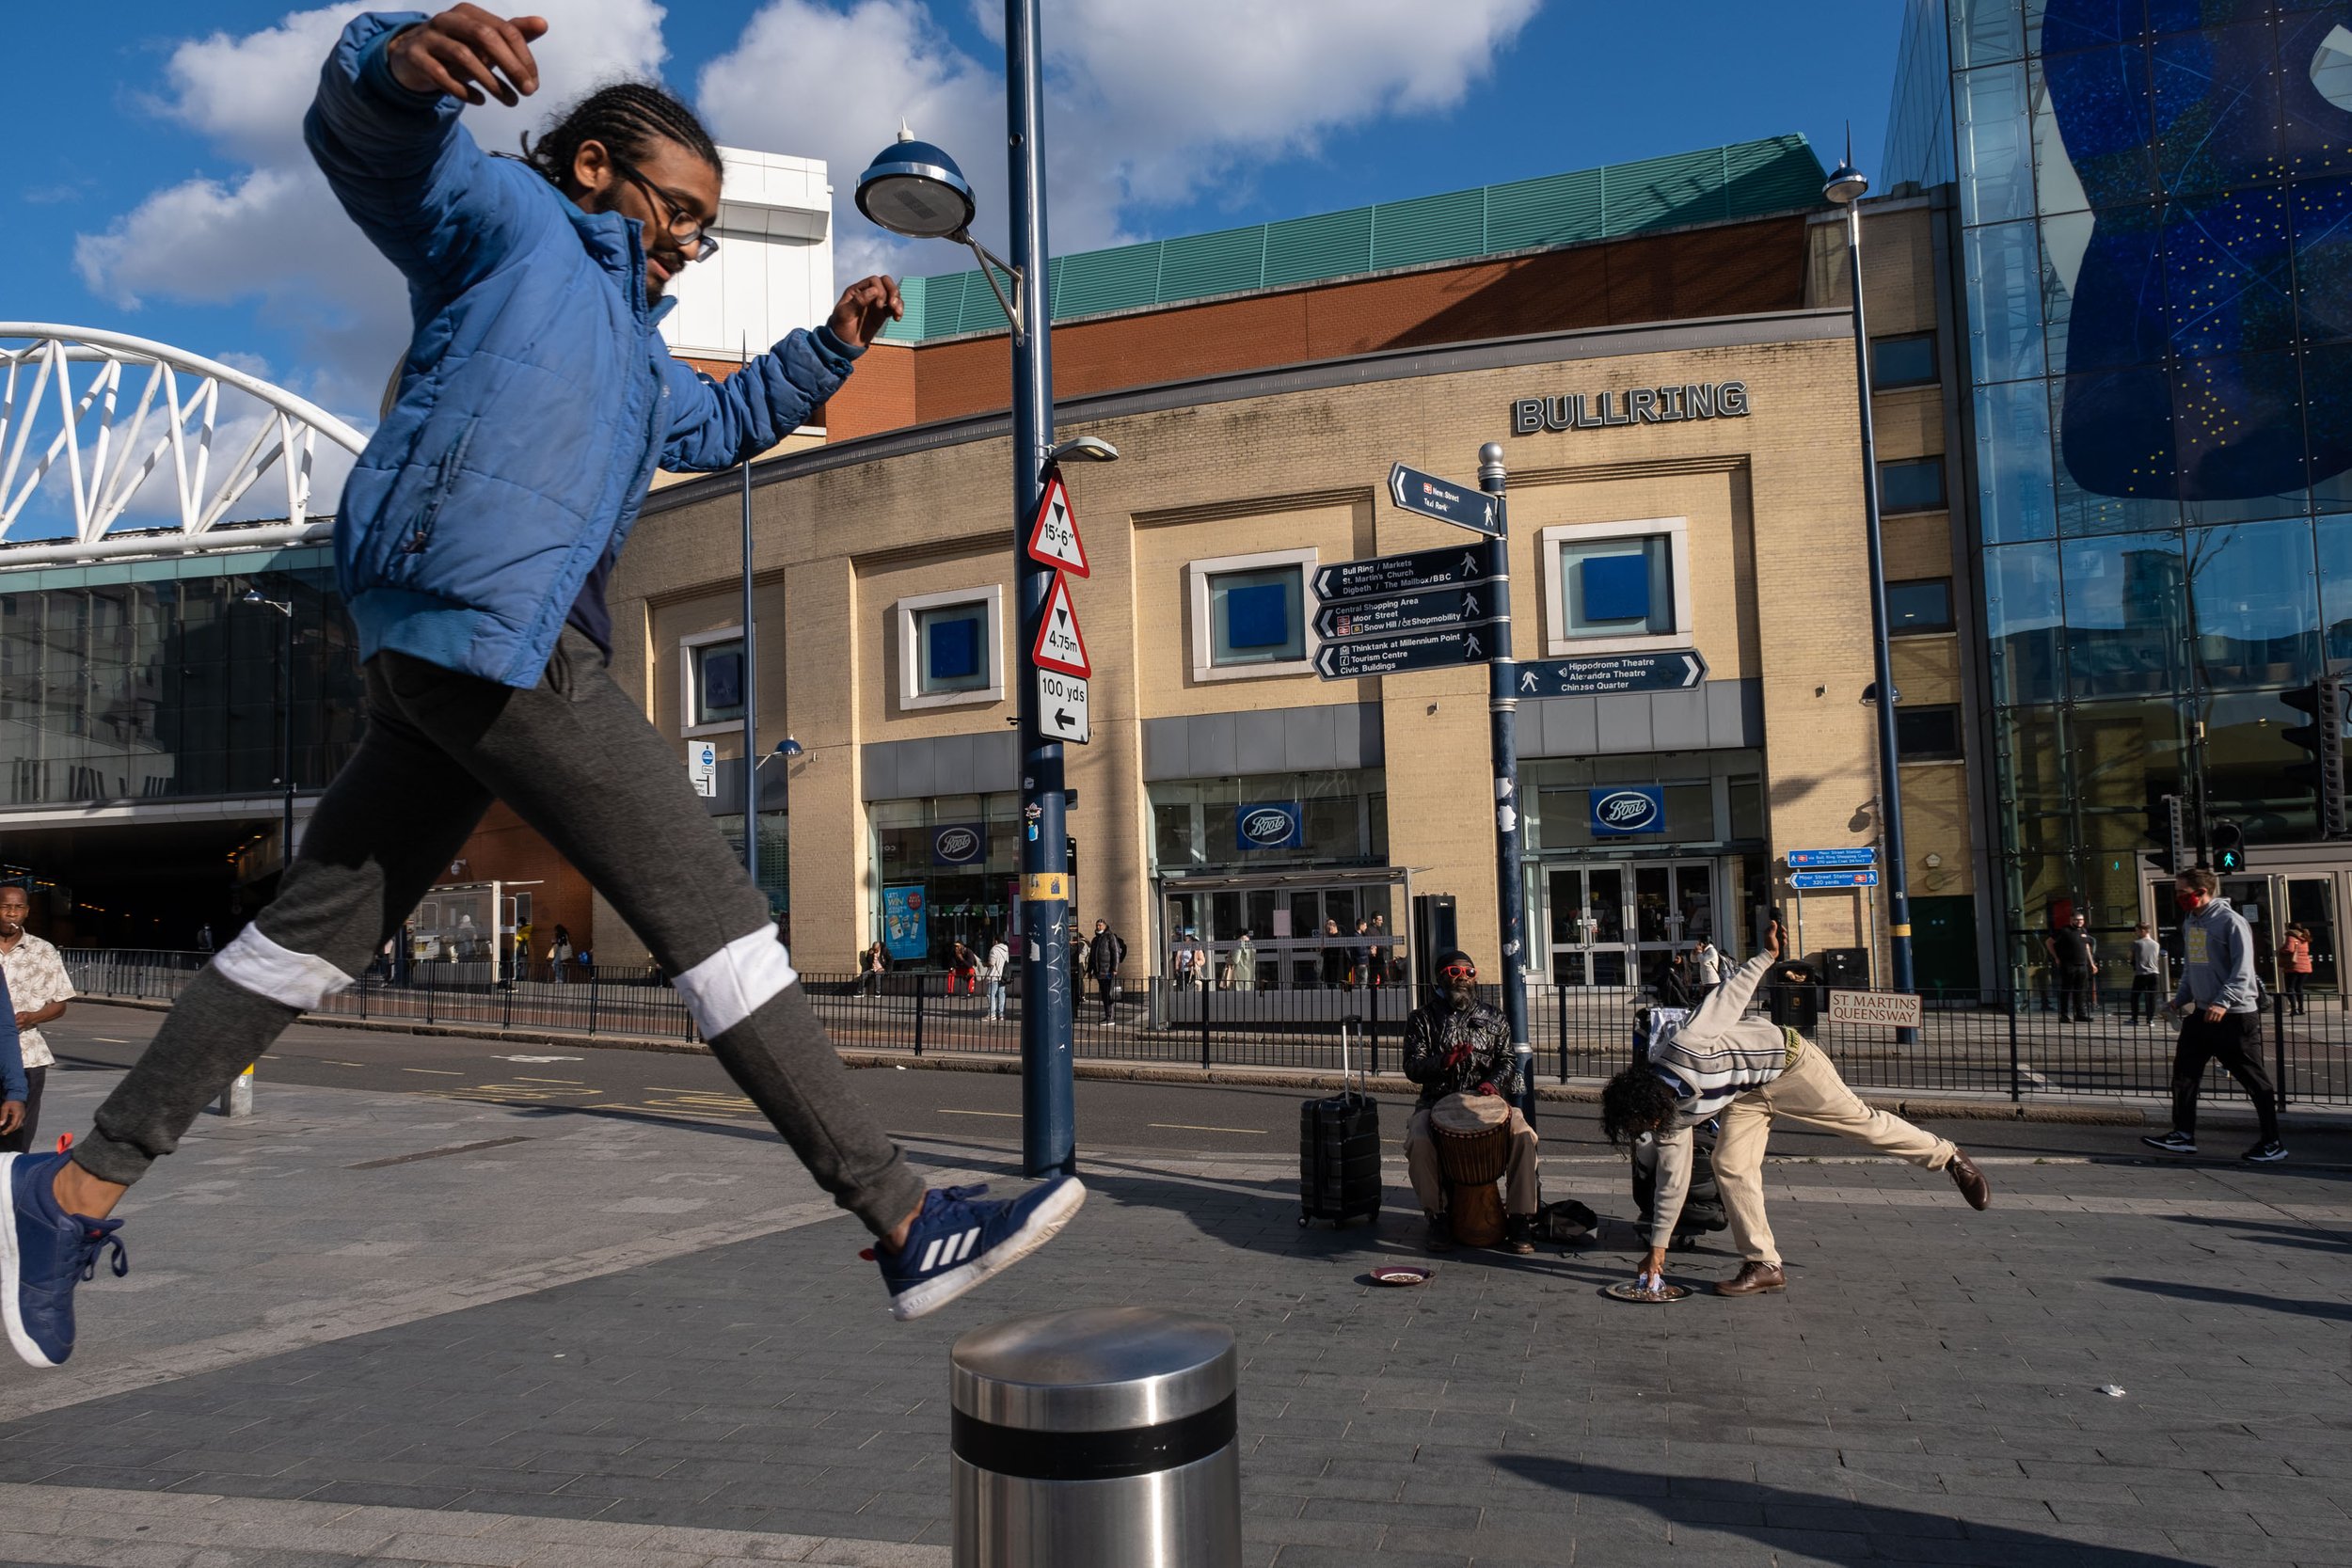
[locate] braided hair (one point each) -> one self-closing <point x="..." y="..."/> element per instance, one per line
<point x="628" y="117"/>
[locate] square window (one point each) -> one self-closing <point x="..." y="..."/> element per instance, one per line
<point x="1920" y="605"/>
<point x="1928" y="733"/>
<point x="1913" y="485"/>
<point x="953" y="645"/>
<point x="717" y="683"/>
<point x="1620" y="587"/>
<point x="950" y="648"/>
<point x="1902" y="362"/>
<point x="1256" y="616"/>
<point x="1616" y="587"/>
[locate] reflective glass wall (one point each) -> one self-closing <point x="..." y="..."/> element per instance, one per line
<point x="155" y="679"/>
<point x="2157" y="263"/>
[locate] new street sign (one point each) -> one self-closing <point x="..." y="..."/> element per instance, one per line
<point x="1419" y="650"/>
<point x="1444" y="607"/>
<point x="1463" y="506"/>
<point x="1054" y="536"/>
<point x="1602" y="674"/>
<point x="1399" y="573"/>
<point x="1804" y="881"/>
<point x="1061" y="707"/>
<point x="1864" y="855"/>
<point x="1059" y="646"/>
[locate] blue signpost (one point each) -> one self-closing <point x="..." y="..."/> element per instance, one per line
<point x="1808" y="880"/>
<point x="1600" y="674"/>
<point x="1446" y="501"/>
<point x="1865" y="854"/>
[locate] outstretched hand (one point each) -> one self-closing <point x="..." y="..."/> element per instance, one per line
<point x="467" y="51"/>
<point x="865" y="306"/>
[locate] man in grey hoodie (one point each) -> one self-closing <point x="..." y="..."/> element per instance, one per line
<point x="2221" y="1008"/>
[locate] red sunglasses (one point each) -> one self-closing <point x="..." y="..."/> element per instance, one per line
<point x="1459" y="972"/>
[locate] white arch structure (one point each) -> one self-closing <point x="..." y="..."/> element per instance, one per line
<point x="143" y="409"/>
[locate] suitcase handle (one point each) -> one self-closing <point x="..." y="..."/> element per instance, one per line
<point x="1363" y="1076"/>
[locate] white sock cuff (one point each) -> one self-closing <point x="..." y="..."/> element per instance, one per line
<point x="736" y="981"/>
<point x="253" y="962"/>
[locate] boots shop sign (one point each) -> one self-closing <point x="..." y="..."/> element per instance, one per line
<point x="1722" y="399"/>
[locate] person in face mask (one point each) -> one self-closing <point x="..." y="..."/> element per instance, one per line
<point x="2219" y="1007"/>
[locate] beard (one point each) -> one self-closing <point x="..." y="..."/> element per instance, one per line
<point x="1461" y="993"/>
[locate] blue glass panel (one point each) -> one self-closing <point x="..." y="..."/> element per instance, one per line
<point x="2229" y="275"/>
<point x="2088" y="24"/>
<point x="1986" y="32"/>
<point x="2335" y="584"/>
<point x="2155" y="501"/>
<point x="722" y="680"/>
<point x="2096" y="152"/>
<point x="2024" y="617"/>
<point x="2217" y="107"/>
<point x="2116" y="434"/>
<point x="2106" y="283"/>
<point x="2255" y="589"/>
<point x="2013" y="462"/>
<point x="2314" y="94"/>
<point x="1995" y="162"/>
<point x="2322" y="215"/>
<point x="2237" y="424"/>
<point x="2125" y="614"/>
<point x="952" y="648"/>
<point x="1256" y="617"/>
<point x="1911" y="484"/>
<point x="1616" y="587"/>
<point x="2004" y="312"/>
<point x="2327" y="423"/>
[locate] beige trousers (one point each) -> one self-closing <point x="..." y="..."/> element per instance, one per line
<point x="1420" y="1159"/>
<point x="1810" y="1093"/>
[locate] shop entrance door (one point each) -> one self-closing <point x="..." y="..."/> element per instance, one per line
<point x="1617" y="924"/>
<point x="1588" y="927"/>
<point x="1279" y="938"/>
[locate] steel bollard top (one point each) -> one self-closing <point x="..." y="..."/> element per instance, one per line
<point x="1097" y="1368"/>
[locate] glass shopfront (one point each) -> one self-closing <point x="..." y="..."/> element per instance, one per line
<point x="943" y="870"/>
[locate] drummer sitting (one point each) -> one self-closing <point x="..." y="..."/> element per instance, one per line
<point x="1458" y="1050"/>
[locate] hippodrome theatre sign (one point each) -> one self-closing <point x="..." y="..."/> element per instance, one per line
<point x="1723" y="400"/>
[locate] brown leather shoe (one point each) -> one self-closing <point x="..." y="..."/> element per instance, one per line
<point x="1518" y="1235"/>
<point x="1753" y="1279"/>
<point x="1970" y="1180"/>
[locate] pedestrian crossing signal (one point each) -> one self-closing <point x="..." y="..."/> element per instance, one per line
<point x="2229" y="848"/>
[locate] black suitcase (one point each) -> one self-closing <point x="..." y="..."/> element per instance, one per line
<point x="1701" y="1206"/>
<point x="1339" y="1154"/>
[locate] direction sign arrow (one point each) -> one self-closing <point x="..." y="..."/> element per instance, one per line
<point x="1419" y="650"/>
<point x="1833" y="878"/>
<point x="1445" y="607"/>
<point x="1440" y="498"/>
<point x="1061" y="707"/>
<point x="1054" y="536"/>
<point x="1059" y="645"/>
<point x="1602" y="674"/>
<point x="1399" y="573"/>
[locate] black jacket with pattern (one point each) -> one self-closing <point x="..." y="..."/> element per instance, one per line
<point x="1450" y="1050"/>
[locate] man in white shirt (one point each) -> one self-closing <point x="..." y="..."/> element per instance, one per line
<point x="40" y="988"/>
<point x="998" y="956"/>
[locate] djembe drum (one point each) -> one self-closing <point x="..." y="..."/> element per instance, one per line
<point x="1473" y="1141"/>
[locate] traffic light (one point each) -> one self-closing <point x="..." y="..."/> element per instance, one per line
<point x="2323" y="738"/>
<point x="2163" y="826"/>
<point x="2229" y="848"/>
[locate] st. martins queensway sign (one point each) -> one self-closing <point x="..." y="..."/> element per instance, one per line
<point x="1723" y="400"/>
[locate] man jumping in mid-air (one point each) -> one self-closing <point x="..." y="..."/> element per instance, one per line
<point x="473" y="544"/>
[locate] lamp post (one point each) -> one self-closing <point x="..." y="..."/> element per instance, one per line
<point x="285" y="725"/>
<point x="752" y="759"/>
<point x="1846" y="187"/>
<point x="915" y="189"/>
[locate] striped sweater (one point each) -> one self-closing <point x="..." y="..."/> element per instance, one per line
<point x="1720" y="1052"/>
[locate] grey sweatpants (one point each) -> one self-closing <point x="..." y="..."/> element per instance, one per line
<point x="575" y="759"/>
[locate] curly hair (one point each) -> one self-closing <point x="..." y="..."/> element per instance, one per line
<point x="1635" y="1101"/>
<point x="628" y="117"/>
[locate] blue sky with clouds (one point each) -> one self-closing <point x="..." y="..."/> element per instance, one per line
<point x="158" y="186"/>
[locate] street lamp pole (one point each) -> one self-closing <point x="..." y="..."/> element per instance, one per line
<point x="285" y="726"/>
<point x="752" y="758"/>
<point x="1846" y="187"/>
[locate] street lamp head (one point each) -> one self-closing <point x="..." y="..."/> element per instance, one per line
<point x="1845" y="186"/>
<point x="789" y="747"/>
<point x="1091" y="448"/>
<point x="915" y="189"/>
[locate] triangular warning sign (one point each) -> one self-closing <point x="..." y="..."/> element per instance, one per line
<point x="1054" y="536"/>
<point x="1059" y="646"/>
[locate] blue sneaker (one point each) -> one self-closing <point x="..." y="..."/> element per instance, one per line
<point x="45" y="1252"/>
<point x="956" y="1242"/>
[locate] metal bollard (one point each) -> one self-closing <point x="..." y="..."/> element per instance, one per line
<point x="1105" y="1436"/>
<point x="237" y="1098"/>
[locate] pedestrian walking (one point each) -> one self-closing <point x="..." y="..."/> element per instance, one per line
<point x="1707" y="968"/>
<point x="1720" y="1062"/>
<point x="1334" y="957"/>
<point x="474" y="540"/>
<point x="2295" y="965"/>
<point x="2219" y="1004"/>
<point x="1106" y="952"/>
<point x="999" y="958"/>
<point x="2147" y="976"/>
<point x="39" y="988"/>
<point x="1241" y="973"/>
<point x="2077" y="959"/>
<point x="560" y="955"/>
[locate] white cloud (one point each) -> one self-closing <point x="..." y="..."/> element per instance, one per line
<point x="1148" y="106"/>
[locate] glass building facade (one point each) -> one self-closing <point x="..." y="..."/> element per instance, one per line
<point x="2155" y="206"/>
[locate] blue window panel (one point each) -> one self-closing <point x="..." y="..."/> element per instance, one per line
<point x="1258" y="617"/>
<point x="722" y="680"/>
<point x="953" y="648"/>
<point x="1616" y="587"/>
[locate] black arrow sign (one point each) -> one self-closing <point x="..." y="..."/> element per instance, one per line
<point x="1400" y="574"/>
<point x="1601" y="674"/>
<point x="1444" y="607"/>
<point x="1463" y="505"/>
<point x="1062" y="718"/>
<point x="1419" y="650"/>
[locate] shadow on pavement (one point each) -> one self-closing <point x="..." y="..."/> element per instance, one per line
<point x="1810" y="1523"/>
<point x="2306" y="1238"/>
<point x="2217" y="1297"/>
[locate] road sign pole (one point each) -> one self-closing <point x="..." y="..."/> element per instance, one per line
<point x="1048" y="1089"/>
<point x="1502" y="707"/>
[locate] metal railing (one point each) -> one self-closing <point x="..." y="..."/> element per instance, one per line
<point x="1993" y="1043"/>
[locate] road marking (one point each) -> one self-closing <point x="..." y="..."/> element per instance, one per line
<point x="525" y="1078"/>
<point x="437" y="1153"/>
<point x="109" y="1039"/>
<point x="1009" y="1116"/>
<point x="436" y="1072"/>
<point x="1191" y="1127"/>
<point x="332" y="1062"/>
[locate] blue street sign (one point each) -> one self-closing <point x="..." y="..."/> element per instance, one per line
<point x="1412" y="650"/>
<point x="1440" y="607"/>
<point x="1463" y="505"/>
<point x="1399" y="573"/>
<point x="1807" y="880"/>
<point x="1866" y="855"/>
<point x="1598" y="675"/>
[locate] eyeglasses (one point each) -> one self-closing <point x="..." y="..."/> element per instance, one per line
<point x="1459" y="972"/>
<point x="698" y="243"/>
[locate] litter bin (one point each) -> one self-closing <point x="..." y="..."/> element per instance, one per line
<point x="1846" y="968"/>
<point x="1793" y="995"/>
<point x="1101" y="1436"/>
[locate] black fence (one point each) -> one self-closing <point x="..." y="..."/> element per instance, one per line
<point x="1994" y="1044"/>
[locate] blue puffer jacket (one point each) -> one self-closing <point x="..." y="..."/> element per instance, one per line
<point x="537" y="396"/>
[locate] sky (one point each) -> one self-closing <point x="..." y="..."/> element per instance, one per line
<point x="159" y="186"/>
